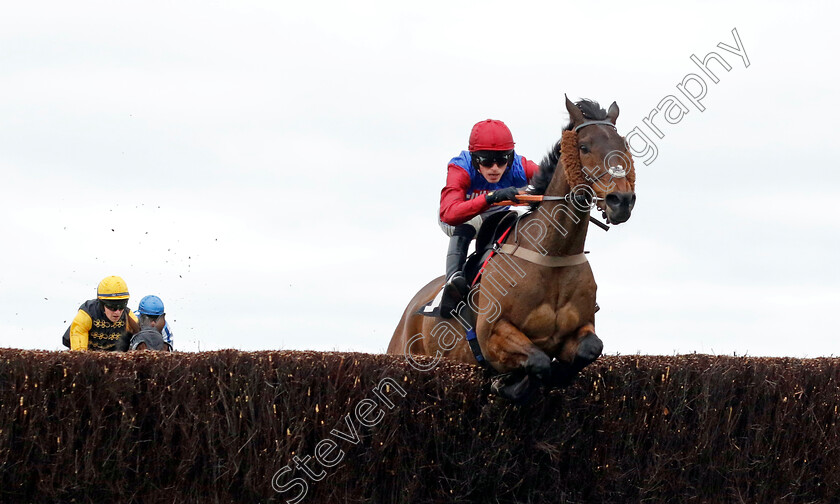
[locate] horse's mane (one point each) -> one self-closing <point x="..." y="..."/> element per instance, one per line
<point x="591" y="110"/>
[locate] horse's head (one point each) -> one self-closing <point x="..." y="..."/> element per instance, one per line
<point x="594" y="155"/>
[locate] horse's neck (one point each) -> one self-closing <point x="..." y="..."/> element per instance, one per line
<point x="560" y="228"/>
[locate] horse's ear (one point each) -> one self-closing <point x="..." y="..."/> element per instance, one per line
<point x="574" y="112"/>
<point x="612" y="113"/>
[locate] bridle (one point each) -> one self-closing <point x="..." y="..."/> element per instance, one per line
<point x="581" y="200"/>
<point x="617" y="171"/>
<point x="588" y="123"/>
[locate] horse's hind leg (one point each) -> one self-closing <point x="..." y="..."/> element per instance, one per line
<point x="584" y="349"/>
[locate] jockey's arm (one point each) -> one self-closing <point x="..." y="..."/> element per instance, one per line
<point x="79" y="331"/>
<point x="455" y="208"/>
<point x="531" y="169"/>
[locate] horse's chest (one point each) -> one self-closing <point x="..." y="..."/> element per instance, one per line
<point x="548" y="323"/>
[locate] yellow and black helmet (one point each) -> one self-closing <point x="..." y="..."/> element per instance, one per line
<point x="112" y="288"/>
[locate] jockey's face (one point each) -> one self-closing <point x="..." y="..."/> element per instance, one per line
<point x="493" y="173"/>
<point x="113" y="315"/>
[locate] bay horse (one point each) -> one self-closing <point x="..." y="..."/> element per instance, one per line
<point x="533" y="314"/>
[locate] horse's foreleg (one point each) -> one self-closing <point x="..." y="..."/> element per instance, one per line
<point x="522" y="364"/>
<point x="578" y="352"/>
<point x="508" y="349"/>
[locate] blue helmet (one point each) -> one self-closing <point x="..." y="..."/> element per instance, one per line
<point x="151" y="305"/>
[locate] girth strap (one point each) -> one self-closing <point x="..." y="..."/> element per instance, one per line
<point x="472" y="339"/>
<point x="537" y="258"/>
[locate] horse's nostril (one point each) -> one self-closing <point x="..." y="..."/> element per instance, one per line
<point x="620" y="200"/>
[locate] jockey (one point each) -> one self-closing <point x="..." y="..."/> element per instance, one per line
<point x="489" y="172"/>
<point x="153" y="305"/>
<point x="152" y="321"/>
<point x="103" y="323"/>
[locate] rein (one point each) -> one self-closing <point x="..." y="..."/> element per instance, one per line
<point x="538" y="198"/>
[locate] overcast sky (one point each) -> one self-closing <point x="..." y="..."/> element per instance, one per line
<point x="272" y="170"/>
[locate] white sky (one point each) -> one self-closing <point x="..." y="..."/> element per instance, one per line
<point x="272" y="169"/>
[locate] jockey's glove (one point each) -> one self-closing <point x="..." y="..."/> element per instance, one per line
<point x="506" y="194"/>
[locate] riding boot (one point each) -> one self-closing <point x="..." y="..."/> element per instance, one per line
<point x="456" y="287"/>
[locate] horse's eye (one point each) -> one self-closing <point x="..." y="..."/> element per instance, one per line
<point x="584" y="149"/>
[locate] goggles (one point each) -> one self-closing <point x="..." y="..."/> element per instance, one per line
<point x="115" y="305"/>
<point x="489" y="159"/>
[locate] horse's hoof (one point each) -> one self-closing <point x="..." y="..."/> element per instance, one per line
<point x="589" y="349"/>
<point x="517" y="391"/>
<point x="539" y="365"/>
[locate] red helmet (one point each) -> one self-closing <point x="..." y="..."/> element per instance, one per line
<point x="490" y="134"/>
